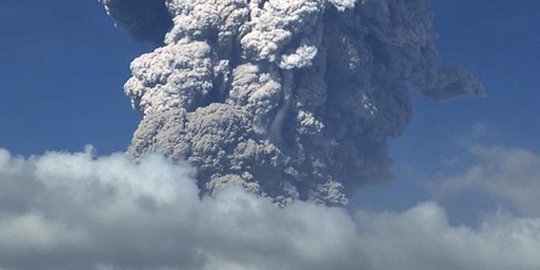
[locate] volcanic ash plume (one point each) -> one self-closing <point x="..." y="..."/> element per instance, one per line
<point x="292" y="99"/>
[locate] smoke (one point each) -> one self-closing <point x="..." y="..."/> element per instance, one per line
<point x="294" y="99"/>
<point x="77" y="211"/>
<point x="141" y="19"/>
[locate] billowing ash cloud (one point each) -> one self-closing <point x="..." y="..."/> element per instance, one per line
<point x="294" y="99"/>
<point x="74" y="211"/>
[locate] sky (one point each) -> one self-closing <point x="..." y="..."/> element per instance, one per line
<point x="499" y="42"/>
<point x="65" y="94"/>
<point x="51" y="89"/>
<point x="62" y="85"/>
<point x="62" y="70"/>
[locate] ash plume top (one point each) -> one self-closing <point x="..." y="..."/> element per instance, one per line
<point x="293" y="99"/>
<point x="144" y="20"/>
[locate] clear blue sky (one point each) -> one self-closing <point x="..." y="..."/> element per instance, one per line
<point x="62" y="67"/>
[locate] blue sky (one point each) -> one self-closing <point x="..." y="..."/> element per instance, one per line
<point x="500" y="43"/>
<point x="467" y="170"/>
<point x="63" y="66"/>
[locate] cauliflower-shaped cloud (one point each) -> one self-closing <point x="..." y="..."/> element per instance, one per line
<point x="292" y="99"/>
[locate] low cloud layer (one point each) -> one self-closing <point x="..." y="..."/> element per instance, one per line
<point x="512" y="175"/>
<point x="76" y="211"/>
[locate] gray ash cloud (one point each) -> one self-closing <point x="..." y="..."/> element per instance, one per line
<point x="144" y="20"/>
<point x="292" y="99"/>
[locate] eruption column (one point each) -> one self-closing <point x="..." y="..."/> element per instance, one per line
<point x="293" y="99"/>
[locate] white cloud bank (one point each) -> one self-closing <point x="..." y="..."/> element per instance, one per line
<point x="74" y="211"/>
<point x="510" y="174"/>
